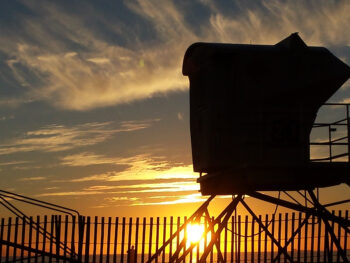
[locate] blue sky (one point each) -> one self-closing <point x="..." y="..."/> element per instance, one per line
<point x="94" y="109"/>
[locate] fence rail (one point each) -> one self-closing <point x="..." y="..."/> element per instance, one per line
<point x="100" y="239"/>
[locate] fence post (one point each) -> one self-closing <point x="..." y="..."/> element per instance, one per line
<point x="95" y="240"/>
<point x="143" y="240"/>
<point x="58" y="233"/>
<point x="123" y="242"/>
<point x="87" y="241"/>
<point x="72" y="239"/>
<point x="137" y="236"/>
<point x="115" y="240"/>
<point x="131" y="249"/>
<point x="37" y="238"/>
<point x="66" y="223"/>
<point x="15" y="240"/>
<point x="115" y="251"/>
<point x="23" y="237"/>
<point x="164" y="238"/>
<point x="108" y="238"/>
<point x="81" y="227"/>
<point x="102" y="237"/>
<point x="9" y="223"/>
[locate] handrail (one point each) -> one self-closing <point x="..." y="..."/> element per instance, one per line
<point x="39" y="203"/>
<point x="32" y="201"/>
<point x="330" y="142"/>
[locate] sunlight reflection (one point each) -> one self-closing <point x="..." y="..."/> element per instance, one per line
<point x="195" y="232"/>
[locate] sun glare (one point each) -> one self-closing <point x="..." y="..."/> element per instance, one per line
<point x="194" y="232"/>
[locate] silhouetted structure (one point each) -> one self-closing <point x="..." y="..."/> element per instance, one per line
<point x="252" y="108"/>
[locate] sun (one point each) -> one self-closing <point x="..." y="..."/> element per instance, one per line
<point x="194" y="232"/>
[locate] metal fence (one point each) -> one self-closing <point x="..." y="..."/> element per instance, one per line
<point x="100" y="239"/>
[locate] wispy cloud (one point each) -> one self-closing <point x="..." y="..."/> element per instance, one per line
<point x="13" y="163"/>
<point x="139" y="167"/>
<point x="55" y="138"/>
<point x="192" y="198"/>
<point x="34" y="178"/>
<point x="70" y="193"/>
<point x="168" y="187"/>
<point x="98" y="72"/>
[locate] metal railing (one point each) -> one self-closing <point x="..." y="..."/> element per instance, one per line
<point x="337" y="134"/>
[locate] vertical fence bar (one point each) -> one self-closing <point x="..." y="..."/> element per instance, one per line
<point x="123" y="241"/>
<point x="252" y="240"/>
<point x="273" y="234"/>
<point x="44" y="238"/>
<point x="129" y="238"/>
<point x="312" y="239"/>
<point x="212" y="251"/>
<point x="23" y="237"/>
<point x="87" y="240"/>
<point x="246" y="239"/>
<point x="185" y="234"/>
<point x="326" y="243"/>
<point x="58" y="234"/>
<point x="73" y="238"/>
<point x="259" y="240"/>
<point x="286" y="222"/>
<point x="339" y="235"/>
<point x="292" y="231"/>
<point x="306" y="240"/>
<point x="37" y="238"/>
<point x="178" y="234"/>
<point x="299" y="239"/>
<point x="51" y="237"/>
<point x="170" y="234"/>
<point x="115" y="249"/>
<point x="239" y="239"/>
<point x="143" y="240"/>
<point x="346" y="232"/>
<point x="232" y="238"/>
<point x="164" y="238"/>
<point x="331" y="239"/>
<point x="9" y="224"/>
<point x="205" y="231"/>
<point x="319" y="237"/>
<point x="108" y="238"/>
<point x="15" y="240"/>
<point x="30" y="239"/>
<point x="81" y="229"/>
<point x="279" y="233"/>
<point x="66" y="223"/>
<point x="137" y="238"/>
<point x="150" y="238"/>
<point x="225" y="243"/>
<point x="95" y="240"/>
<point x="198" y="245"/>
<point x="102" y="237"/>
<point x="157" y="237"/>
<point x="265" y="237"/>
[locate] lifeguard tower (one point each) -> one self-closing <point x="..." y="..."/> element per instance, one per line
<point x="252" y="109"/>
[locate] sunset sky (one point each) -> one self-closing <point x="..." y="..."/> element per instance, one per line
<point x="94" y="110"/>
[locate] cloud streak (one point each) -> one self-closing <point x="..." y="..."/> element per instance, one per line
<point x="56" y="138"/>
<point x="99" y="73"/>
